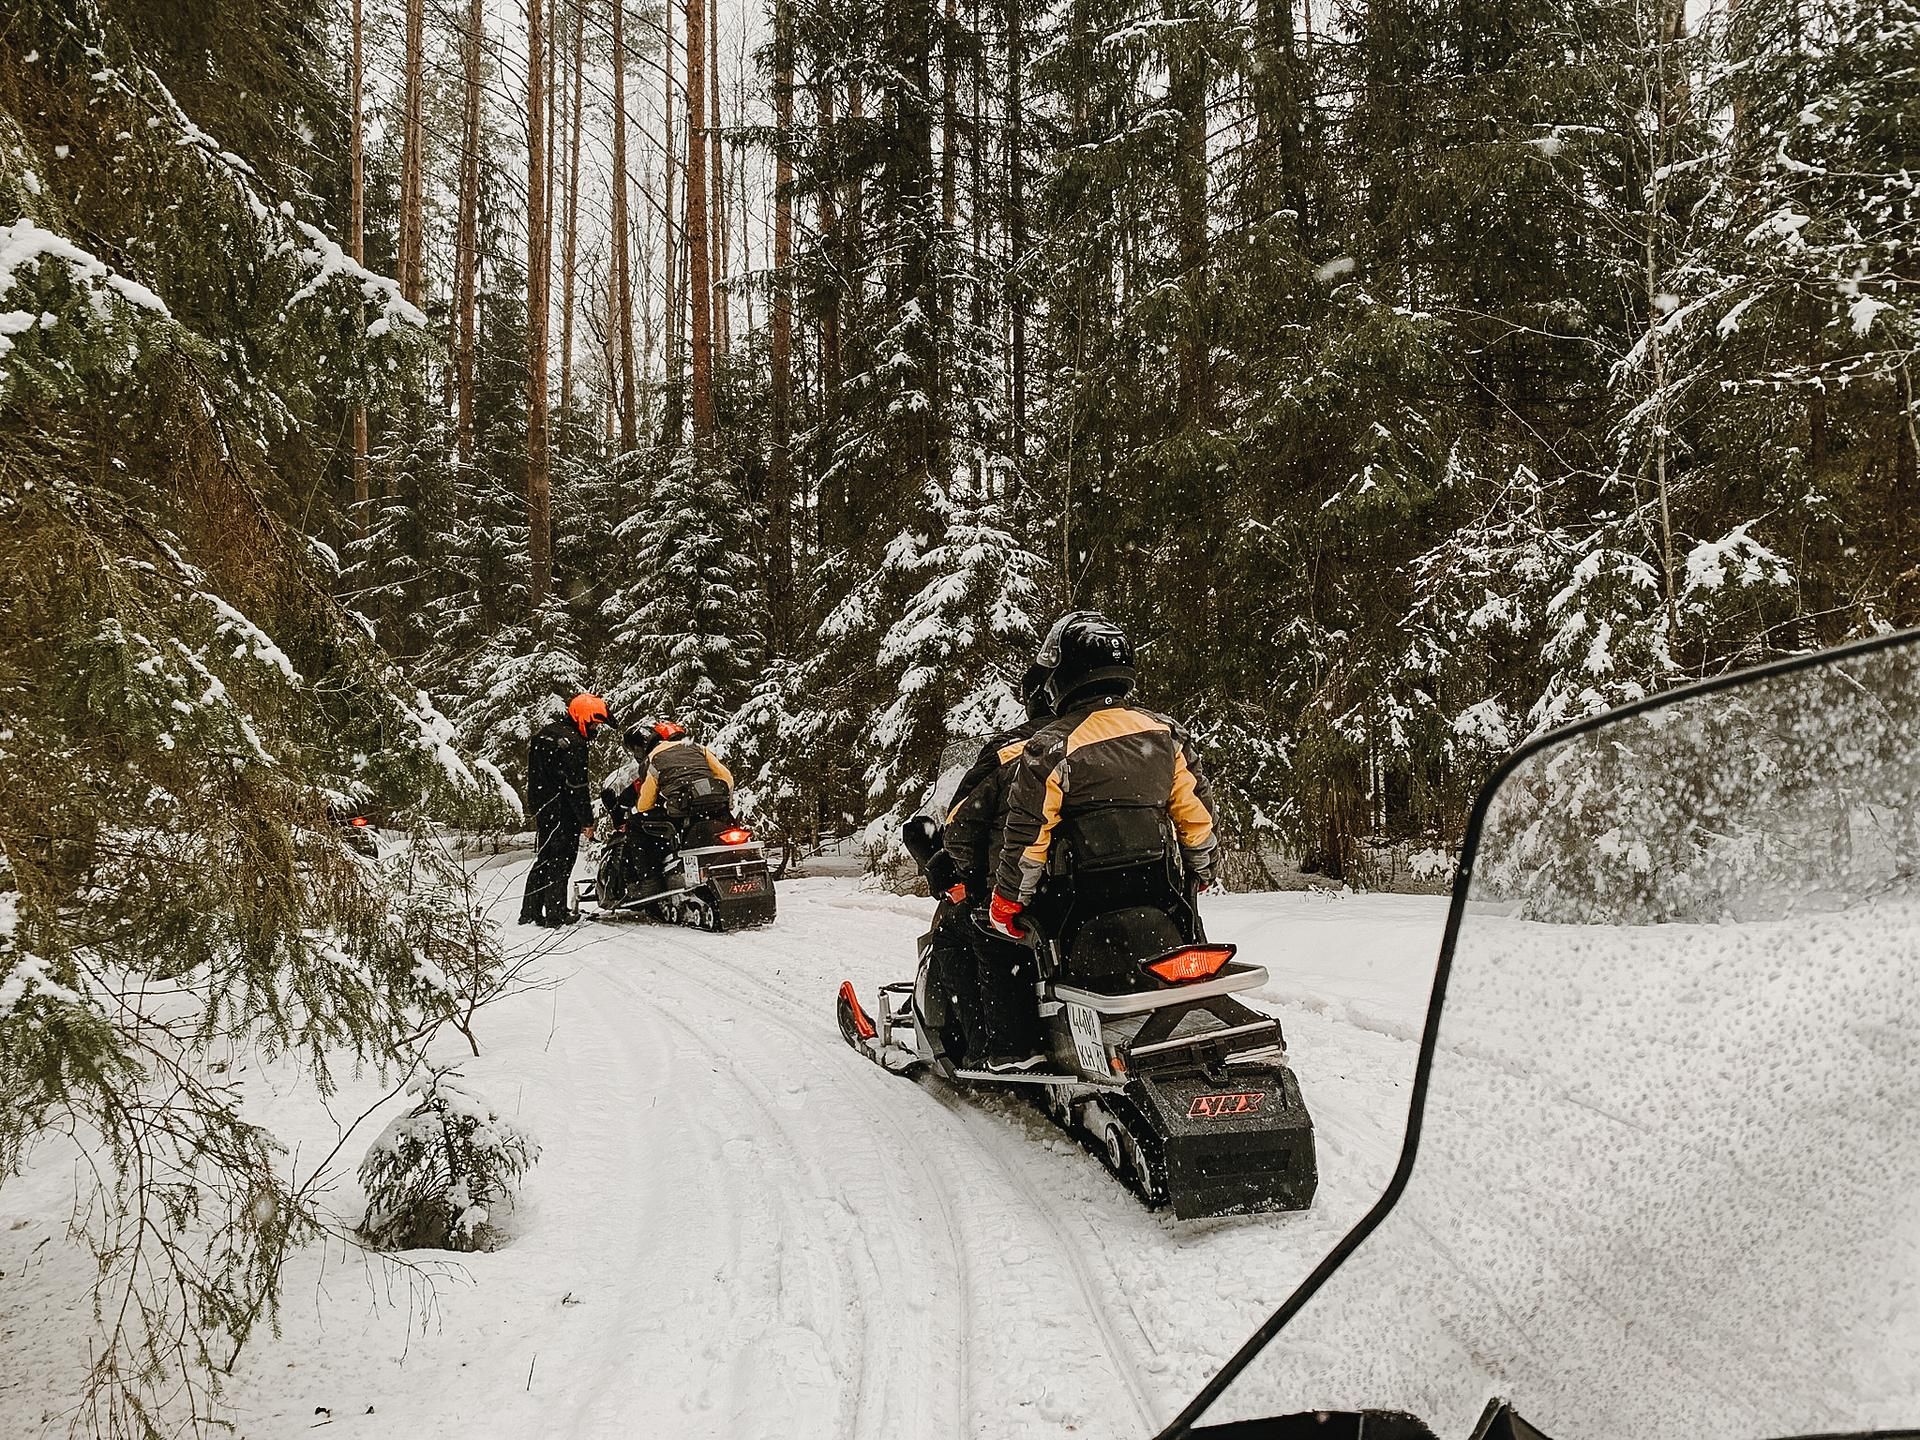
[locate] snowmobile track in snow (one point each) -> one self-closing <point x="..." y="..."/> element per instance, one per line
<point x="972" y="1128"/>
<point x="878" y="1357"/>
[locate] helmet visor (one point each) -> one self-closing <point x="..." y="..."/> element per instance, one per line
<point x="1049" y="654"/>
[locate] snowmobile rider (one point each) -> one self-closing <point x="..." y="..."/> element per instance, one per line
<point x="684" y="780"/>
<point x="1098" y="755"/>
<point x="991" y="979"/>
<point x="674" y="783"/>
<point x="563" y="816"/>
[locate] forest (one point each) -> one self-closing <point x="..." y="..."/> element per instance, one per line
<point x="1407" y="377"/>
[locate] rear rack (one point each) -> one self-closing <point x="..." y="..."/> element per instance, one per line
<point x="1231" y="978"/>
<point x="1244" y="1036"/>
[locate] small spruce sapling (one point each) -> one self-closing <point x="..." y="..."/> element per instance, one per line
<point x="436" y="1173"/>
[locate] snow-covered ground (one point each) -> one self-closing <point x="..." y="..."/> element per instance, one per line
<point x="740" y="1228"/>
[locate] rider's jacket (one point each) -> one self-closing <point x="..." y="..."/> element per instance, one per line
<point x="557" y="776"/>
<point x="675" y="774"/>
<point x="978" y="818"/>
<point x="1102" y="753"/>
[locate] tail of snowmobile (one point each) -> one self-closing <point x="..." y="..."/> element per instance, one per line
<point x="712" y="877"/>
<point x="1181" y="1090"/>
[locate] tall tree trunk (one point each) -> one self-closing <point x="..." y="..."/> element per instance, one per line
<point x="1187" y="96"/>
<point x="646" y="288"/>
<point x="553" y="111"/>
<point x="610" y="430"/>
<point x="947" y="251"/>
<point x="539" y="500"/>
<point x="356" y="240"/>
<point x="467" y="248"/>
<point x="853" y="219"/>
<point x="830" y="380"/>
<point x="571" y="245"/>
<point x="911" y="242"/>
<point x="699" y="273"/>
<point x="740" y="180"/>
<point x="717" y="187"/>
<point x="1016" y="227"/>
<point x="780" y="342"/>
<point x="977" y="170"/>
<point x="621" y="242"/>
<point x="412" y="258"/>
<point x="674" y="314"/>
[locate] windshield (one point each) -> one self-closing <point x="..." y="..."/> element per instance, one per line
<point x="1667" y="1180"/>
<point x="955" y="760"/>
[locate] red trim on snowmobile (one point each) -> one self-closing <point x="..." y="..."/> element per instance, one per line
<point x="860" y="1020"/>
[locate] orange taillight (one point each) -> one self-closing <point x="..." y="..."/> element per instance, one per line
<point x="1196" y="962"/>
<point x="359" y="821"/>
<point x="738" y="835"/>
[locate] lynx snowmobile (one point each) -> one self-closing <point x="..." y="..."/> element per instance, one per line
<point x="1151" y="1062"/>
<point x="707" y="872"/>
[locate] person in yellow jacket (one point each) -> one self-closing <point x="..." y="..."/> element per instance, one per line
<point x="1098" y="754"/>
<point x="680" y="779"/>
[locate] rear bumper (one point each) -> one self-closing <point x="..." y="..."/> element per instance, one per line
<point x="1236" y="1148"/>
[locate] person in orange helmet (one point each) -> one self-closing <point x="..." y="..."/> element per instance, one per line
<point x="557" y="796"/>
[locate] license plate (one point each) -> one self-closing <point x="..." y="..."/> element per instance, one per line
<point x="754" y="886"/>
<point x="1219" y="1107"/>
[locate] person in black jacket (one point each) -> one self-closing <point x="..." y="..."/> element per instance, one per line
<point x="1098" y="754"/>
<point x="562" y="814"/>
<point x="990" y="979"/>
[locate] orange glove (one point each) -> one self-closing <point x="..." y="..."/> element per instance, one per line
<point x="956" y="893"/>
<point x="1002" y="915"/>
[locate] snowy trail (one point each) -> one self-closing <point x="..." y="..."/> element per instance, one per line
<point x="984" y="1240"/>
<point x="741" y="1229"/>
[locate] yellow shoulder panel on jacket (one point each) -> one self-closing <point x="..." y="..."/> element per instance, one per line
<point x="1111" y="724"/>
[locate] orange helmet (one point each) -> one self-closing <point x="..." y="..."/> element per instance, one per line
<point x="588" y="712"/>
<point x="667" y="730"/>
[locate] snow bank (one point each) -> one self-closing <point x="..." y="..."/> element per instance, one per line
<point x="1665" y="1190"/>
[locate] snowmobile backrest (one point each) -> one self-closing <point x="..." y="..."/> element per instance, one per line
<point x="701" y="799"/>
<point x="1112" y="837"/>
<point x="1109" y="948"/>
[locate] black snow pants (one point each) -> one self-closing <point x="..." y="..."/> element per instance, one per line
<point x="1005" y="1018"/>
<point x="546" y="901"/>
<point x="984" y="986"/>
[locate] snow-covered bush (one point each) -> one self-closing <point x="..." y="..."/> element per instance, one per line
<point x="1733" y="805"/>
<point x="436" y="1174"/>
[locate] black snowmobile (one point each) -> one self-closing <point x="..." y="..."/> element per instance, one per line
<point x="704" y="870"/>
<point x="1181" y="1089"/>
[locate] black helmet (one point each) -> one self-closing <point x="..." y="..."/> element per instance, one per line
<point x="1085" y="650"/>
<point x="1033" y="692"/>
<point x="642" y="737"/>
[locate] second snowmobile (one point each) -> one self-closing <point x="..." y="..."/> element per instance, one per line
<point x="1183" y="1090"/>
<point x="708" y="873"/>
